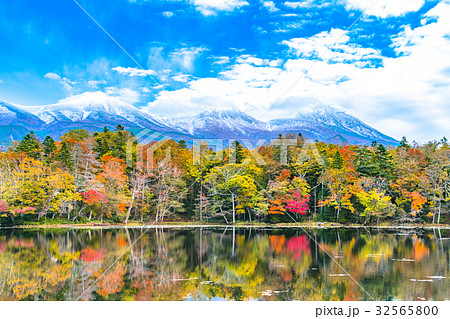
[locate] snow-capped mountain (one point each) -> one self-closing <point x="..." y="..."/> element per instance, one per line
<point x="95" y="110"/>
<point x="226" y="124"/>
<point x="15" y="122"/>
<point x="15" y="115"/>
<point x="330" y="124"/>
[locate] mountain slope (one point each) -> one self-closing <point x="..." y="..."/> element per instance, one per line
<point x="226" y="124"/>
<point x="326" y="123"/>
<point x="93" y="111"/>
<point x="95" y="108"/>
<point x="15" y="122"/>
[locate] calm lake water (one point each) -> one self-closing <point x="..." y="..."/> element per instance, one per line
<point x="224" y="264"/>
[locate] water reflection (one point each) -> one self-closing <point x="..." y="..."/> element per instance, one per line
<point x="216" y="264"/>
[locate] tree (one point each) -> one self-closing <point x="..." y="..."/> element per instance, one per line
<point x="61" y="192"/>
<point x="112" y="182"/>
<point x="94" y="198"/>
<point x="385" y="165"/>
<point x="235" y="182"/>
<point x="298" y="199"/>
<point x="63" y="155"/>
<point x="341" y="179"/>
<point x="236" y="152"/>
<point x="404" y="143"/>
<point x="30" y="145"/>
<point x="375" y="203"/>
<point x="168" y="189"/>
<point x="49" y="147"/>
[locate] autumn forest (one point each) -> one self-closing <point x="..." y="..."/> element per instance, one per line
<point x="87" y="177"/>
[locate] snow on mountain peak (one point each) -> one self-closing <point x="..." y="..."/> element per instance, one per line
<point x="92" y="98"/>
<point x="318" y="108"/>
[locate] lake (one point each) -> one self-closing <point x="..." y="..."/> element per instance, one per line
<point x="224" y="264"/>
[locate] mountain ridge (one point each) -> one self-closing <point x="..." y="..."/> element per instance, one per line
<point x="95" y="110"/>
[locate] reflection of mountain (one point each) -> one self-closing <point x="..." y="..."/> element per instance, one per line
<point x="95" y="110"/>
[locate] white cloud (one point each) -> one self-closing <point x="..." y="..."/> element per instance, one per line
<point x="184" y="78"/>
<point x="68" y="84"/>
<point x="333" y="47"/>
<point x="124" y="94"/>
<point x="404" y="95"/>
<point x="385" y="8"/>
<point x="221" y="60"/>
<point x="52" y="76"/>
<point x="133" y="71"/>
<point x="95" y="83"/>
<point x="298" y="4"/>
<point x="211" y="7"/>
<point x="270" y="6"/>
<point x="168" y="14"/>
<point x="185" y="57"/>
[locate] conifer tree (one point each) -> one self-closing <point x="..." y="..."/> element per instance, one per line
<point x="64" y="155"/>
<point x="404" y="143"/>
<point x="49" y="147"/>
<point x="384" y="162"/>
<point x="337" y="162"/>
<point x="30" y="145"/>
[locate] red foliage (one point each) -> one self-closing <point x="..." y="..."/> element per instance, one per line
<point x="2" y="247"/>
<point x="92" y="197"/>
<point x="417" y="155"/>
<point x="91" y="255"/>
<point x="299" y="203"/>
<point x="22" y="243"/>
<point x="3" y="206"/>
<point x="298" y="246"/>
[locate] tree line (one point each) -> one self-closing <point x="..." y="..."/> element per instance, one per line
<point x="109" y="176"/>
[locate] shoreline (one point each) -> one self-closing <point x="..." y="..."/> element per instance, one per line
<point x="205" y="225"/>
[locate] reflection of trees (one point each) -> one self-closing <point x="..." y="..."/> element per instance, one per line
<point x="233" y="264"/>
<point x="26" y="268"/>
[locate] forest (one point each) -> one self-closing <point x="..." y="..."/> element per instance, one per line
<point x="109" y="177"/>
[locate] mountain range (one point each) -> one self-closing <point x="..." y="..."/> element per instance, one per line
<point x="95" y="110"/>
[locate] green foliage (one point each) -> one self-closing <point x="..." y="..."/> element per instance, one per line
<point x="63" y="155"/>
<point x="49" y="146"/>
<point x="30" y="145"/>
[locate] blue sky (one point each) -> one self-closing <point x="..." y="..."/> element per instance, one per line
<point x="392" y="68"/>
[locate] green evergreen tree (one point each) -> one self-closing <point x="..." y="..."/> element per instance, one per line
<point x="30" y="145"/>
<point x="385" y="162"/>
<point x="64" y="155"/>
<point x="365" y="163"/>
<point x="49" y="147"/>
<point x="404" y="143"/>
<point x="237" y="152"/>
<point x="182" y="144"/>
<point x="337" y="162"/>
